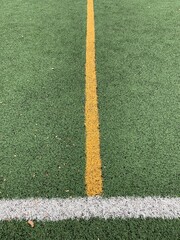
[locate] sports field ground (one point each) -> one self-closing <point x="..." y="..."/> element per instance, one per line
<point x="89" y="119"/>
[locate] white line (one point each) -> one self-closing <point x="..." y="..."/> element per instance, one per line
<point x="90" y="207"/>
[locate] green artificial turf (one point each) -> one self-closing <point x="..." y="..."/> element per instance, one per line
<point x="92" y="230"/>
<point x="137" y="55"/>
<point x="42" y="52"/>
<point x="42" y="135"/>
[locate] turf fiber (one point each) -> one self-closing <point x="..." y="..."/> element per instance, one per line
<point x="42" y="136"/>
<point x="42" y="98"/>
<point x="92" y="230"/>
<point x="137" y="48"/>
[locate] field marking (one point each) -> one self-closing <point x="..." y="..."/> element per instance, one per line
<point x="93" y="174"/>
<point x="57" y="209"/>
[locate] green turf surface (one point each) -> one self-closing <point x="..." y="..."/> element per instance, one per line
<point x="137" y="46"/>
<point x="92" y="230"/>
<point x="42" y="56"/>
<point x="42" y="52"/>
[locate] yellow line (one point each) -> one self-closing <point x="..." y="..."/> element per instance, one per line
<point x="93" y="161"/>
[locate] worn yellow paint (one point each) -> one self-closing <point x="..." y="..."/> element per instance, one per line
<point x="93" y="175"/>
